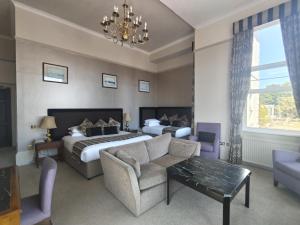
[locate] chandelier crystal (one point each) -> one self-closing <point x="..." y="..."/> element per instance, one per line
<point x="125" y="27"/>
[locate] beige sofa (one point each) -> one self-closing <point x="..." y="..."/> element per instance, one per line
<point x="136" y="173"/>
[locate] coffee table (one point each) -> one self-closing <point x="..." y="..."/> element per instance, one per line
<point x="217" y="179"/>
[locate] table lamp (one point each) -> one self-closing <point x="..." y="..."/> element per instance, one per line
<point x="127" y="119"/>
<point x="48" y="122"/>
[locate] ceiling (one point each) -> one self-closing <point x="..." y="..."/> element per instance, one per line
<point x="201" y="12"/>
<point x="164" y="25"/>
<point x="5" y="18"/>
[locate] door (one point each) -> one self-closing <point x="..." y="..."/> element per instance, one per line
<point x="5" y="118"/>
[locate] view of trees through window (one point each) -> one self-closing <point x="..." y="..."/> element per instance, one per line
<point x="271" y="102"/>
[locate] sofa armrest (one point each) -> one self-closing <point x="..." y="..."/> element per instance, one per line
<point x="121" y="180"/>
<point x="285" y="156"/>
<point x="193" y="138"/>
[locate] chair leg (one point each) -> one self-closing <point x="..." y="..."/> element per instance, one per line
<point x="275" y="183"/>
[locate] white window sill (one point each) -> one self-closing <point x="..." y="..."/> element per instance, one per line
<point x="272" y="132"/>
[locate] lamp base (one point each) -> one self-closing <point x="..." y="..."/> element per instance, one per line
<point x="48" y="136"/>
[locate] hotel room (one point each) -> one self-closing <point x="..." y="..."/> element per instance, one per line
<point x="149" y="112"/>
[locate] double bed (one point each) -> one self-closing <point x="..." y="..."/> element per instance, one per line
<point x="82" y="153"/>
<point x="158" y="112"/>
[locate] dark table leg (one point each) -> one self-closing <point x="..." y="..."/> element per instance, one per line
<point x="247" y="192"/>
<point x="226" y="211"/>
<point x="168" y="191"/>
<point x="37" y="159"/>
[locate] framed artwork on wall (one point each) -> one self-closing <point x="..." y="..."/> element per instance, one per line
<point x="55" y="73"/>
<point x="109" y="81"/>
<point x="144" y="86"/>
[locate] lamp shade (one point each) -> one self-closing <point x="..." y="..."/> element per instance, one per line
<point x="48" y="122"/>
<point x="127" y="117"/>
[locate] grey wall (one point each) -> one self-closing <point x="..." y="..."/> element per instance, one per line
<point x="175" y="87"/>
<point x="84" y="90"/>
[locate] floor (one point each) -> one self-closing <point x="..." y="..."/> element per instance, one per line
<point x="78" y="201"/>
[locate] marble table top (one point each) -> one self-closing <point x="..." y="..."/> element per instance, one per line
<point x="5" y="177"/>
<point x="214" y="178"/>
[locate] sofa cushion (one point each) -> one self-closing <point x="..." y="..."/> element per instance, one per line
<point x="125" y="157"/>
<point x="181" y="148"/>
<point x="152" y="175"/>
<point x="207" y="147"/>
<point x="136" y="150"/>
<point x="158" y="146"/>
<point x="291" y="168"/>
<point x="168" y="160"/>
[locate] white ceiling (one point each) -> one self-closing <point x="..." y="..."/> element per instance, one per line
<point x="164" y="25"/>
<point x="201" y="12"/>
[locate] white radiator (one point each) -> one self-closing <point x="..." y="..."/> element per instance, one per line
<point x="257" y="148"/>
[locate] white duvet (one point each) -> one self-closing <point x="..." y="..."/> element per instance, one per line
<point x="157" y="130"/>
<point x="91" y="153"/>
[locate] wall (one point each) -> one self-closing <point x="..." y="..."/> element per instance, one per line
<point x="8" y="75"/>
<point x="175" y="87"/>
<point x="84" y="90"/>
<point x="212" y="102"/>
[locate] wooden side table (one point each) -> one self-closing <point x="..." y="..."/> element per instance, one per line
<point x="46" y="146"/>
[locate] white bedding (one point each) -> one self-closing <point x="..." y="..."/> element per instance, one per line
<point x="157" y="130"/>
<point x="91" y="153"/>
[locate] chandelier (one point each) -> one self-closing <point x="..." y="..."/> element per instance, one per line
<point x="124" y="27"/>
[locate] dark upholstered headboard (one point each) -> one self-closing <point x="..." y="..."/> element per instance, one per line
<point x="158" y="112"/>
<point x="66" y="118"/>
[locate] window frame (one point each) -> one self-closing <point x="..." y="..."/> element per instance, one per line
<point x="275" y="65"/>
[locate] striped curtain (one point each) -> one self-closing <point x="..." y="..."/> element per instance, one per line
<point x="278" y="12"/>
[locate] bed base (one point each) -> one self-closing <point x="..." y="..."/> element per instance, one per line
<point x="88" y="170"/>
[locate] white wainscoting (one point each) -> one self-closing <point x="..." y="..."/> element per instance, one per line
<point x="257" y="147"/>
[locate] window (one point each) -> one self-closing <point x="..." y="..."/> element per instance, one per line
<point x="270" y="102"/>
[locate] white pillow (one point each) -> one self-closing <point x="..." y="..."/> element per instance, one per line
<point x="151" y="120"/>
<point x="76" y="134"/>
<point x="153" y="124"/>
<point x="75" y="129"/>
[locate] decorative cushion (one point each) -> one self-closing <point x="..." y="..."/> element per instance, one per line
<point x="179" y="123"/>
<point x="85" y="124"/>
<point x="207" y="147"/>
<point x="291" y="168"/>
<point x="125" y="157"/>
<point x="173" y="118"/>
<point x="182" y="149"/>
<point x="93" y="131"/>
<point x="113" y="122"/>
<point x="158" y="146"/>
<point x="136" y="150"/>
<point x="165" y="122"/>
<point x="152" y="175"/>
<point x="206" y="137"/>
<point x="164" y="117"/>
<point x="100" y="123"/>
<point x="110" y="130"/>
<point x="168" y="160"/>
<point x="184" y="121"/>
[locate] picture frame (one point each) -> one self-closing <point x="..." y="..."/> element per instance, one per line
<point x="144" y="86"/>
<point x="55" y="73"/>
<point x="109" y="81"/>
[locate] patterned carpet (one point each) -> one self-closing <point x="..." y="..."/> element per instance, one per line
<point x="78" y="201"/>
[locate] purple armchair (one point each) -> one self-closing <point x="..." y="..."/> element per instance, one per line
<point x="286" y="169"/>
<point x="210" y="139"/>
<point x="37" y="208"/>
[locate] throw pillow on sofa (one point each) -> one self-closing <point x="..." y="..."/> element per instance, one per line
<point x="125" y="157"/>
<point x="181" y="149"/>
<point x="158" y="146"/>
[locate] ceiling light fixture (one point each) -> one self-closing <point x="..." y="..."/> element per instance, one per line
<point x="124" y="27"/>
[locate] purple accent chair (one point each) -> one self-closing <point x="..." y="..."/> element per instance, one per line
<point x="37" y="208"/>
<point x="209" y="150"/>
<point x="286" y="169"/>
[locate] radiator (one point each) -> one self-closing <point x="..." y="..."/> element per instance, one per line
<point x="257" y="148"/>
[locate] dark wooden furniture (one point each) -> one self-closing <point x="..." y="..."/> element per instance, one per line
<point x="216" y="179"/>
<point x="59" y="145"/>
<point x="5" y="118"/>
<point x="66" y="118"/>
<point x="10" y="206"/>
<point x="158" y="112"/>
<point x="133" y="131"/>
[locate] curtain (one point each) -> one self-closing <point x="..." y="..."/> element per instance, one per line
<point x="290" y="26"/>
<point x="240" y="84"/>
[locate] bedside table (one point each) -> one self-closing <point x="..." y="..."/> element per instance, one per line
<point x="46" y="146"/>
